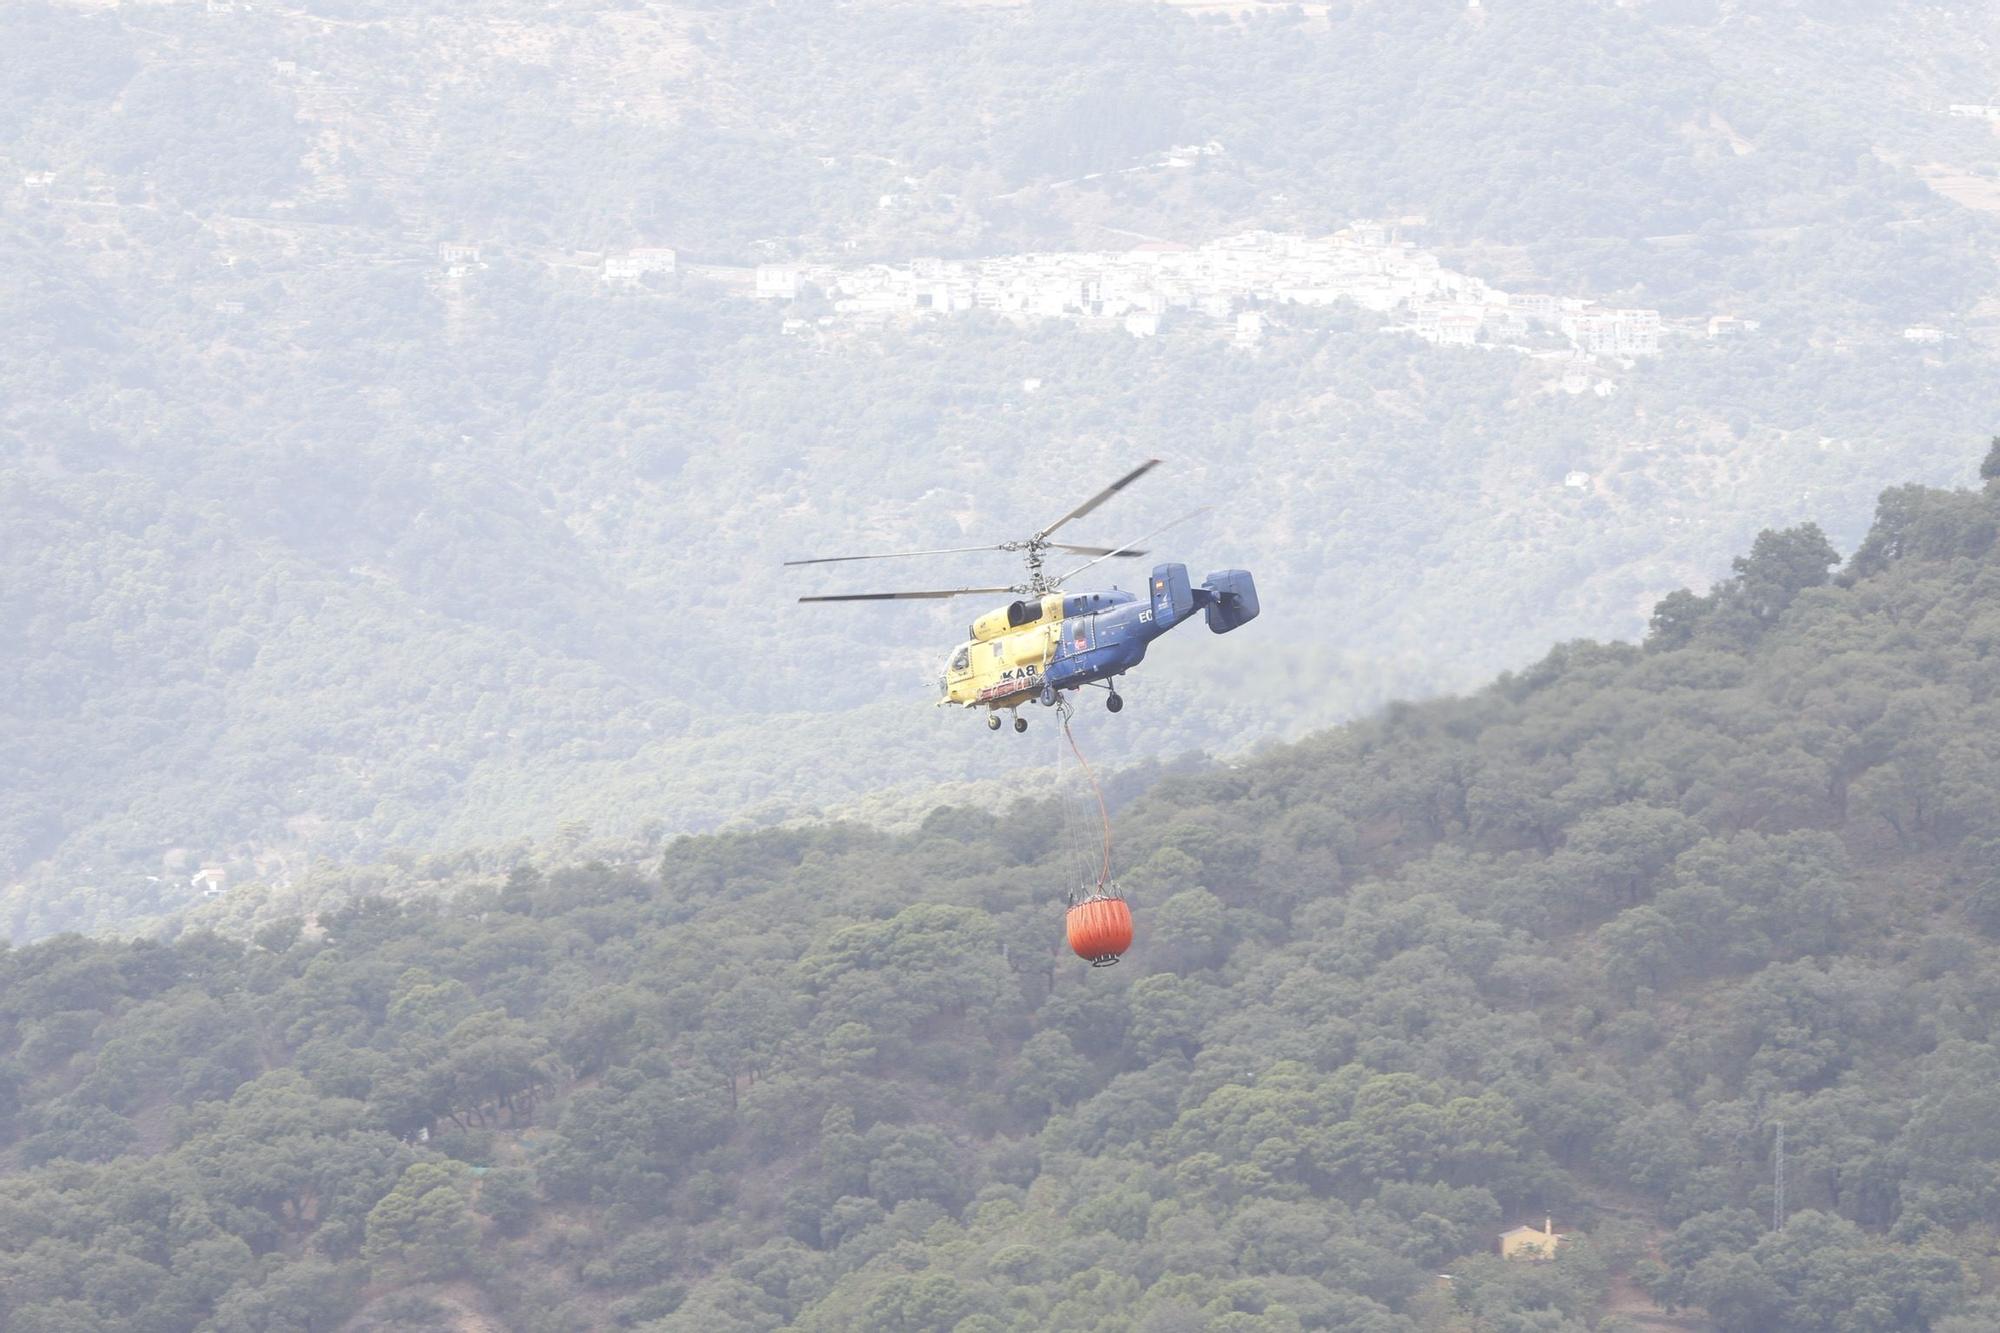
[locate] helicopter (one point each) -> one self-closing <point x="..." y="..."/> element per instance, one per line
<point x="1048" y="642"/>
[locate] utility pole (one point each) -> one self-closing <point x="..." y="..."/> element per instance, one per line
<point x="1778" y="1181"/>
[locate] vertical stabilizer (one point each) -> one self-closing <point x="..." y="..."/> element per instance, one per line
<point x="1232" y="599"/>
<point x="1173" y="597"/>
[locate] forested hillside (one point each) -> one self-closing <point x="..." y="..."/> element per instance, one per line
<point x="318" y="545"/>
<point x="1573" y="946"/>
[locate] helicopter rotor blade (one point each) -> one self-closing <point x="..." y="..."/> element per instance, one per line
<point x="1103" y="495"/>
<point x="925" y="595"/>
<point x="1123" y="550"/>
<point x="892" y="555"/>
<point x="1093" y="550"/>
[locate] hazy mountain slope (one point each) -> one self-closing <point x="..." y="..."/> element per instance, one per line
<point x="1573" y="946"/>
<point x="316" y="547"/>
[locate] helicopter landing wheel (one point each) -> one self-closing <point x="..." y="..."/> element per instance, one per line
<point x="1048" y="696"/>
<point x="1020" y="724"/>
<point x="993" y="722"/>
<point x="1115" y="702"/>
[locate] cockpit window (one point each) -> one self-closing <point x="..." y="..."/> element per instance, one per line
<point x="963" y="660"/>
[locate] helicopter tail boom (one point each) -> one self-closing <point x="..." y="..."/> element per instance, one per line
<point x="1227" y="598"/>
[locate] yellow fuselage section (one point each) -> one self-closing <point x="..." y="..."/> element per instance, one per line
<point x="1002" y="665"/>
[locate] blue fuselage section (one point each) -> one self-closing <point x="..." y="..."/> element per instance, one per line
<point x="1104" y="634"/>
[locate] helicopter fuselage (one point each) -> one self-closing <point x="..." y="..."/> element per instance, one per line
<point x="1036" y="648"/>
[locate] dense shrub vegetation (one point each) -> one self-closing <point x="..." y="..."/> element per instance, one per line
<point x="1571" y="946"/>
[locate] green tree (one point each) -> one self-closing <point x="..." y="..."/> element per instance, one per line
<point x="422" y="1224"/>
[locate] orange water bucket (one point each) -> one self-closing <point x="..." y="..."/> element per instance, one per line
<point x="1100" y="929"/>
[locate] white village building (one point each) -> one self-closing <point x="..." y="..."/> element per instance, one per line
<point x="633" y="265"/>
